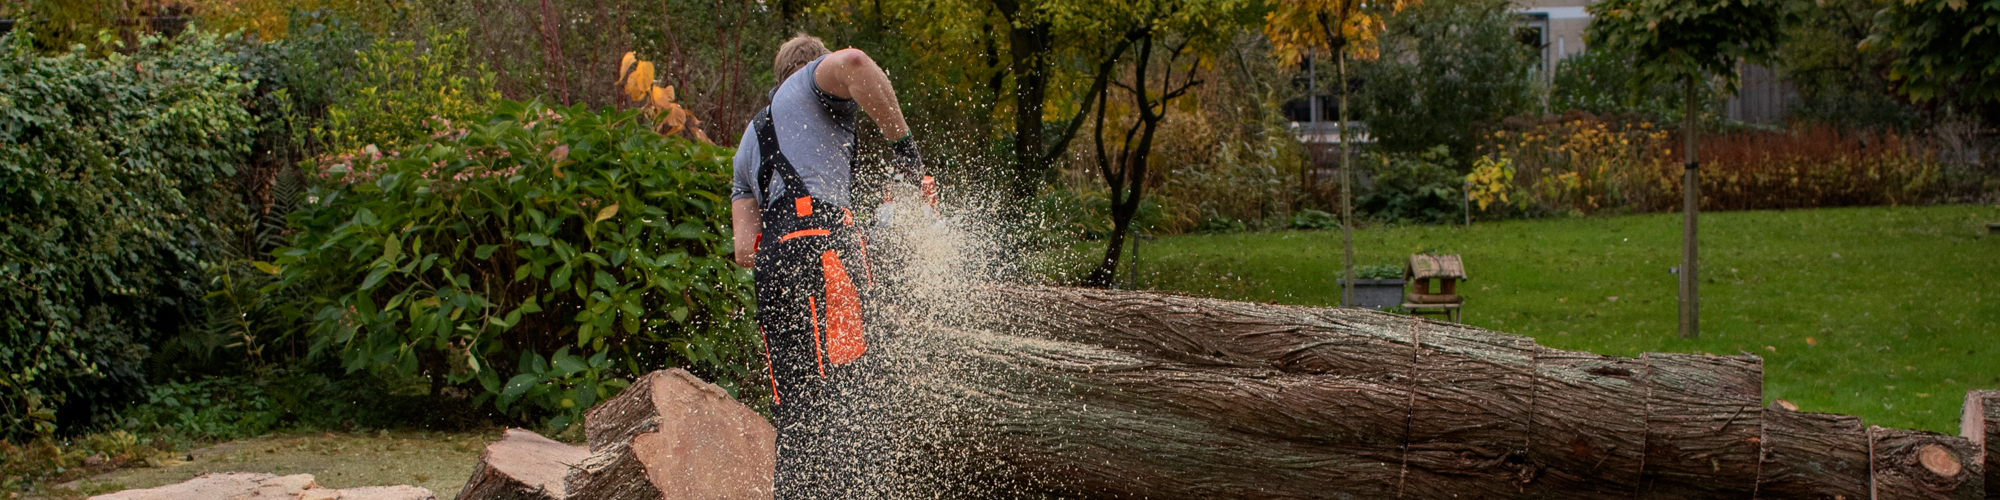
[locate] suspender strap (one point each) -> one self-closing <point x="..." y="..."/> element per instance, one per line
<point x="771" y="159"/>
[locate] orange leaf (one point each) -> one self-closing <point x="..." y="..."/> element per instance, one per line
<point x="676" y="116"/>
<point x="663" y="96"/>
<point x="640" y="83"/>
<point x="625" y="65"/>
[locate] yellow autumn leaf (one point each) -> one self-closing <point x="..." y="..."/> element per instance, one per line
<point x="639" y="84"/>
<point x="662" y="96"/>
<point x="625" y="65"/>
<point x="607" y="212"/>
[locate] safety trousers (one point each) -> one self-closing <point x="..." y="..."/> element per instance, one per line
<point x="809" y="293"/>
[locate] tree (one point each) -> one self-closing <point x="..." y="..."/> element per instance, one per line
<point x="1337" y="28"/>
<point x="1452" y="66"/>
<point x="1943" y="48"/>
<point x="1032" y="43"/>
<point x="1686" y="40"/>
<point x="1126" y="175"/>
<point x="1839" y="82"/>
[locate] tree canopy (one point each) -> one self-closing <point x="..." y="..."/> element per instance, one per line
<point x="1940" y="44"/>
<point x="1676" y="39"/>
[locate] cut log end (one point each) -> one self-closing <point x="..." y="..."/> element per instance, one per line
<point x="1940" y="460"/>
<point x="1787" y="405"/>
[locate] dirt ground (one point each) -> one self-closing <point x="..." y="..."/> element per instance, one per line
<point x="435" y="460"/>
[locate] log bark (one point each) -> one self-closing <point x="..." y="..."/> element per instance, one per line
<point x="1813" y="456"/>
<point x="1981" y="424"/>
<point x="1597" y="453"/>
<point x="522" y="465"/>
<point x="1704" y="416"/>
<point x="1107" y="394"/>
<point x="1924" y="465"/>
<point x="671" y="435"/>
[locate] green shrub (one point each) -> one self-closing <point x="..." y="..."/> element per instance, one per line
<point x="399" y="87"/>
<point x="1378" y="272"/>
<point x="1312" y="220"/>
<point x="1421" y="188"/>
<point x="1449" y="69"/>
<point x="1067" y="215"/>
<point x="112" y="174"/>
<point x="536" y="259"/>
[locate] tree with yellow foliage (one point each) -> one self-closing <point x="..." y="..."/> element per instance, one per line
<point x="1337" y="29"/>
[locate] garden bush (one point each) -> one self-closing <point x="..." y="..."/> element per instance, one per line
<point x="398" y="86"/>
<point x="1813" y="166"/>
<point x="534" y="260"/>
<point x="1449" y="69"/>
<point x="113" y="173"/>
<point x="1580" y="164"/>
<point x="1423" y="188"/>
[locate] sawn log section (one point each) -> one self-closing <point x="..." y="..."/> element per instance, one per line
<point x="1107" y="394"/>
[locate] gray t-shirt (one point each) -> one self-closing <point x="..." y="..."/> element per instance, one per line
<point x="816" y="133"/>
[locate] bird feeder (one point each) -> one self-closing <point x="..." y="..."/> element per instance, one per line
<point x="1434" y="284"/>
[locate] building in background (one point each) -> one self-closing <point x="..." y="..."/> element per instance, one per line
<point x="1556" y="27"/>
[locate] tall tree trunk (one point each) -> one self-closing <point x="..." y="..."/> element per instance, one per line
<point x="1029" y="48"/>
<point x="1346" y="192"/>
<point x="1690" y="210"/>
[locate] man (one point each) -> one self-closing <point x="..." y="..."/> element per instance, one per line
<point x="790" y="208"/>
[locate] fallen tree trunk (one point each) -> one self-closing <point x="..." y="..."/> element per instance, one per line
<point x="1040" y="392"/>
<point x="1105" y="394"/>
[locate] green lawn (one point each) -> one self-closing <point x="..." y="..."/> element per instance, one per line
<point x="1886" y="313"/>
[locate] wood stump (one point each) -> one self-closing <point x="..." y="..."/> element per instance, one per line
<point x="1981" y="425"/>
<point x="667" y="436"/>
<point x="523" y="465"/>
<point x="671" y="435"/>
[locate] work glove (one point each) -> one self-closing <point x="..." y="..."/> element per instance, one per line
<point x="910" y="165"/>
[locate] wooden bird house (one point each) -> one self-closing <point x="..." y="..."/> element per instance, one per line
<point x="1434" y="284"/>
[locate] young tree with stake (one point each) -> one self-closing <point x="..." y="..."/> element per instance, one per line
<point x="1686" y="41"/>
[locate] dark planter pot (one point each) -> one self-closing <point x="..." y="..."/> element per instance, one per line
<point x="1376" y="294"/>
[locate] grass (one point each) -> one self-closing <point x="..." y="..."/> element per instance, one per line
<point x="434" y="460"/>
<point x="1887" y="313"/>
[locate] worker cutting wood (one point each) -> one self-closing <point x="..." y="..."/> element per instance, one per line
<point x="793" y="225"/>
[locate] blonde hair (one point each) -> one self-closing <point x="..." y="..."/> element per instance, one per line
<point x="796" y="53"/>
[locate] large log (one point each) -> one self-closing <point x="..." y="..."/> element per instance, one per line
<point x="1107" y="394"/>
<point x="1812" y="456"/>
<point x="1981" y="424"/>
<point x="1924" y="465"/>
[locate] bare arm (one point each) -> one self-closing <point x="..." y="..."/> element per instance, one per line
<point x="851" y="74"/>
<point x="746" y="222"/>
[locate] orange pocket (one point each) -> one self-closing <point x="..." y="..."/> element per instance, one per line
<point x="844" y="340"/>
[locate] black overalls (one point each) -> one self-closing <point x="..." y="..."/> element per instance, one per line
<point x="810" y="270"/>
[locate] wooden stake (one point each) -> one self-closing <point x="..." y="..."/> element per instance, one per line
<point x="1690" y="207"/>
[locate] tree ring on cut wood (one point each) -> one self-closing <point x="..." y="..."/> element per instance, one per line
<point x="1939" y="460"/>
